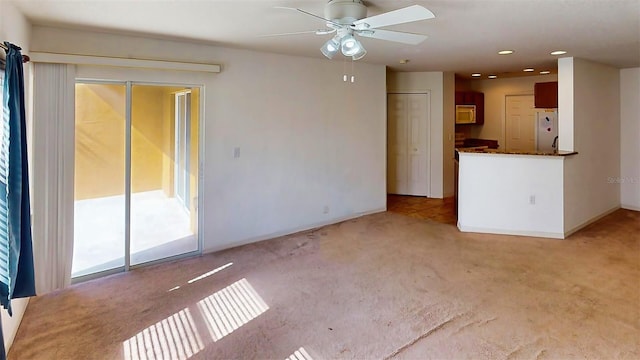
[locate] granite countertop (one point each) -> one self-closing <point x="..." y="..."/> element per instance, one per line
<point x="497" y="151"/>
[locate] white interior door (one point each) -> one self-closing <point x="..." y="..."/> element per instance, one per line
<point x="407" y="144"/>
<point x="520" y="122"/>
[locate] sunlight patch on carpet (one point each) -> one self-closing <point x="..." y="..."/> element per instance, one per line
<point x="175" y="337"/>
<point x="228" y="309"/>
<point x="300" y="354"/>
<point x="207" y="274"/>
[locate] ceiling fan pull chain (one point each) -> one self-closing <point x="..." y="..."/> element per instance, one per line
<point x="345" y="78"/>
<point x="353" y="72"/>
<point x="352" y="78"/>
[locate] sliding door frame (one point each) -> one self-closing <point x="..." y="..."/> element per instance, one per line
<point x="128" y="135"/>
<point x="182" y="192"/>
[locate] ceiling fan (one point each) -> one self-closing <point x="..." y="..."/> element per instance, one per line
<point x="347" y="18"/>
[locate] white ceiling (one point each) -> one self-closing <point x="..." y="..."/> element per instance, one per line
<point x="464" y="37"/>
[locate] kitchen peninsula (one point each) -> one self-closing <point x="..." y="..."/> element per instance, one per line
<point x="508" y="192"/>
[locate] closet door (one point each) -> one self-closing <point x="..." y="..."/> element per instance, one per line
<point x="407" y="144"/>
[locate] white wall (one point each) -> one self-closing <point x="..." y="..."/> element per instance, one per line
<point x="448" y="132"/>
<point x="566" y="105"/>
<point x="630" y="138"/>
<point x="307" y="139"/>
<point x="495" y="193"/>
<point x="15" y="29"/>
<point x="589" y="192"/>
<point x="495" y="91"/>
<point x="432" y="82"/>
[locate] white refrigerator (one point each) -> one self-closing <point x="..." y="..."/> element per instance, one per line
<point x="547" y="130"/>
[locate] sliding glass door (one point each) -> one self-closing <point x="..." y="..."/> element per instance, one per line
<point x="99" y="186"/>
<point x="135" y="186"/>
<point x="162" y="224"/>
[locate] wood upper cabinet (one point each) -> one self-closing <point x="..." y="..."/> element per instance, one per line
<point x="479" y="102"/>
<point x="472" y="98"/>
<point x="546" y="95"/>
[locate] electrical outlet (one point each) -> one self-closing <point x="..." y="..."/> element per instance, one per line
<point x="532" y="199"/>
<point x="236" y="152"/>
<point x="325" y="210"/>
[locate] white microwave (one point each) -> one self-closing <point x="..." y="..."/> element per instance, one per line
<point x="465" y="114"/>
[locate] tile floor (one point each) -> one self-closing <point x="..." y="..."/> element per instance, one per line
<point x="439" y="210"/>
<point x="160" y="227"/>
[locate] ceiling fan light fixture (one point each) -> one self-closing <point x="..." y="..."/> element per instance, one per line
<point x="350" y="46"/>
<point x="360" y="54"/>
<point x="331" y="47"/>
<point x="349" y="17"/>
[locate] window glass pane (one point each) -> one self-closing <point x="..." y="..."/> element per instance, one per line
<point x="162" y="180"/>
<point x="99" y="220"/>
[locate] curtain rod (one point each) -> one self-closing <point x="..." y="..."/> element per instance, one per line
<point x="25" y="58"/>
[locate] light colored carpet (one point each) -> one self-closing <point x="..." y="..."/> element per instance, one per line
<point x="381" y="286"/>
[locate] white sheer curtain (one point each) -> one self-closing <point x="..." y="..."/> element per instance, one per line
<point x="53" y="129"/>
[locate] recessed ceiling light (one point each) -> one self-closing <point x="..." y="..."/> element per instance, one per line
<point x="545" y="72"/>
<point x="476" y="74"/>
<point x="528" y="70"/>
<point x="558" y="52"/>
<point x="493" y="76"/>
<point x="505" y="52"/>
<point x="404" y="61"/>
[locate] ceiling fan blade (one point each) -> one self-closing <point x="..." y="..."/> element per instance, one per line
<point x="396" y="36"/>
<point x="400" y="16"/>
<point x="294" y="33"/>
<point x="309" y="14"/>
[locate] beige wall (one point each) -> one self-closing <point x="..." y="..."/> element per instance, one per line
<point x="630" y="138"/>
<point x="308" y="140"/>
<point x="168" y="146"/>
<point x="595" y="127"/>
<point x="147" y="141"/>
<point x="448" y="131"/>
<point x="100" y="139"/>
<point x="99" y="150"/>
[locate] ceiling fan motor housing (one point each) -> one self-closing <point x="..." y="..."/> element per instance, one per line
<point x="345" y="11"/>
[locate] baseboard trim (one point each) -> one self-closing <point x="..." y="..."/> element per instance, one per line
<point x="630" y="207"/>
<point x="11" y="324"/>
<point x="474" y="229"/>
<point x="590" y="221"/>
<point x="292" y="231"/>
